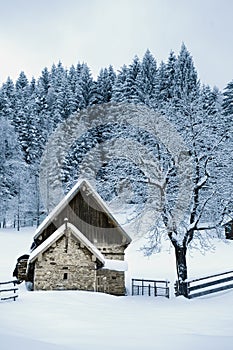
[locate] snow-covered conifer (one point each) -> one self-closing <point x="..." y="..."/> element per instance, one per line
<point x="146" y="80"/>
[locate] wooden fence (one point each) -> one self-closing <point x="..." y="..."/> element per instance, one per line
<point x="150" y="287"/>
<point x="208" y="285"/>
<point x="8" y="290"/>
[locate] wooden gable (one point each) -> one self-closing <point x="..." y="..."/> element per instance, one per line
<point x="85" y="209"/>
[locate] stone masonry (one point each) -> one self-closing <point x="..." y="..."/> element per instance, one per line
<point x="68" y="265"/>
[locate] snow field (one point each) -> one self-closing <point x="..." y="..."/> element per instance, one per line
<point x="84" y="320"/>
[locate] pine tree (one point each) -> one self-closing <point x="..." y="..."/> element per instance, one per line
<point x="72" y="78"/>
<point x="112" y="76"/>
<point x="166" y="87"/>
<point x="104" y="85"/>
<point x="228" y="99"/>
<point x="44" y="99"/>
<point x="212" y="100"/>
<point x="7" y="100"/>
<point x="10" y="166"/>
<point x="118" y="87"/>
<point x="146" y="79"/>
<point x="185" y="78"/>
<point x="58" y="75"/>
<point x="125" y="88"/>
<point x="87" y="86"/>
<point x="162" y="87"/>
<point x="170" y="74"/>
<point x="21" y="118"/>
<point x="83" y="87"/>
<point x="130" y="89"/>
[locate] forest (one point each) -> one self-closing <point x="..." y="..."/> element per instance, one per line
<point x="30" y="112"/>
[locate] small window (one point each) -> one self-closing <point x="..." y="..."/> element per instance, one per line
<point x="65" y="276"/>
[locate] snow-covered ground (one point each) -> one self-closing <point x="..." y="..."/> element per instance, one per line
<point x="86" y="321"/>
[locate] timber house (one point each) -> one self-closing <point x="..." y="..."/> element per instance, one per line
<point x="79" y="246"/>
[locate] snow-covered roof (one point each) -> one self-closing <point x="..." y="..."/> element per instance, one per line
<point x="57" y="234"/>
<point x="66" y="200"/>
<point x="116" y="265"/>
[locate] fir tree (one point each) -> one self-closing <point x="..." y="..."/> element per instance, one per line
<point x="212" y="100"/>
<point x="21" y="118"/>
<point x="228" y="99"/>
<point x="10" y="168"/>
<point x="7" y="100"/>
<point x="185" y="78"/>
<point x="170" y="74"/>
<point x="162" y="87"/>
<point x="104" y="85"/>
<point x="146" y="80"/>
<point x="118" y="87"/>
<point x="125" y="88"/>
<point x="130" y="89"/>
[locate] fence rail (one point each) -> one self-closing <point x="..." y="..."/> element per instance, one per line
<point x="207" y="285"/>
<point x="8" y="293"/>
<point x="150" y="287"/>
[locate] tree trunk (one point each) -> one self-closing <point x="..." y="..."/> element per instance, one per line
<point x="181" y="266"/>
<point x="37" y="200"/>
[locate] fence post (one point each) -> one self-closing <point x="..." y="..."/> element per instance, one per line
<point x="167" y="289"/>
<point x="155" y="289"/>
<point x="9" y="289"/>
<point x="150" y="287"/>
<point x="181" y="288"/>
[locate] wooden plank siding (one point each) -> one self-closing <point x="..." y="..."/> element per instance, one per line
<point x="84" y="212"/>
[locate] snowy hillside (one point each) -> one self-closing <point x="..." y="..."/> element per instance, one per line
<point x="84" y="320"/>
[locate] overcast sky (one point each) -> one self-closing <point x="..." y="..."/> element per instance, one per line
<point x="38" y="33"/>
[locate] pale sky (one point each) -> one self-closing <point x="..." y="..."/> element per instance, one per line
<point x="38" y="33"/>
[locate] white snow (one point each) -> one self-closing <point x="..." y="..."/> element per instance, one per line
<point x="68" y="320"/>
<point x="116" y="265"/>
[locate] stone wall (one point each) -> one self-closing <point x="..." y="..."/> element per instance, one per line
<point x="65" y="265"/>
<point x="69" y="265"/>
<point x="111" y="282"/>
<point x="22" y="269"/>
<point x="112" y="252"/>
